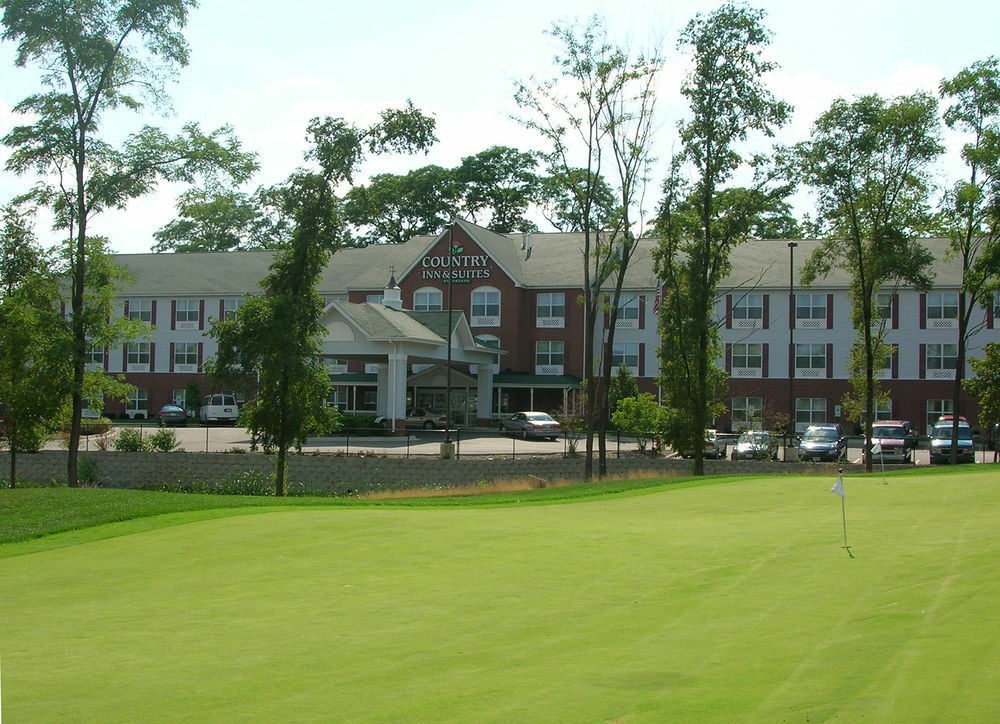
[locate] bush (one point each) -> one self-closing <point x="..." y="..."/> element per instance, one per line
<point x="163" y="440"/>
<point x="360" y="425"/>
<point x="130" y="440"/>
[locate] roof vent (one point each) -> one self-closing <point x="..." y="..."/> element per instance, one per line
<point x="392" y="296"/>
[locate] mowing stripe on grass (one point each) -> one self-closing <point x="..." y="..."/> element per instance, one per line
<point x="727" y="602"/>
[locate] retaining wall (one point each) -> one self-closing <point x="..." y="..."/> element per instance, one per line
<point x="345" y="475"/>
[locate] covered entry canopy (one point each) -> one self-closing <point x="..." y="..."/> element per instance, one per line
<point x="393" y="339"/>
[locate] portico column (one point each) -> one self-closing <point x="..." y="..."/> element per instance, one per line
<point x="396" y="389"/>
<point x="484" y="388"/>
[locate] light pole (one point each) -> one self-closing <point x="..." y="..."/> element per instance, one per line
<point x="791" y="338"/>
<point x="451" y="273"/>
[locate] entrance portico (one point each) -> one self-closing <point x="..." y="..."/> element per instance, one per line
<point x="393" y="339"/>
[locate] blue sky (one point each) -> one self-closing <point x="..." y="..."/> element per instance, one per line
<point x="267" y="68"/>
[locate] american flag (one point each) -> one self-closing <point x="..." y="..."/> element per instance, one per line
<point x="658" y="298"/>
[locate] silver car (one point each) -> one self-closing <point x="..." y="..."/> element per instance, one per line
<point x="755" y="445"/>
<point x="531" y="424"/>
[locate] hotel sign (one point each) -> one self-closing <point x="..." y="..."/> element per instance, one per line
<point x="464" y="267"/>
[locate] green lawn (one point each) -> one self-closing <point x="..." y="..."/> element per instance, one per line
<point x="731" y="601"/>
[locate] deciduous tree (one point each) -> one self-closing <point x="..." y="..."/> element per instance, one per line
<point x="597" y="120"/>
<point x="700" y="222"/>
<point x="868" y="163"/>
<point x="97" y="56"/>
<point x="970" y="214"/>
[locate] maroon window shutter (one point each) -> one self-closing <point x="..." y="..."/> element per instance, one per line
<point x="829" y="361"/>
<point x="791" y="358"/>
<point x="173" y="314"/>
<point x="895" y="311"/>
<point x="923" y="361"/>
<point x="152" y="355"/>
<point x="642" y="312"/>
<point x="107" y="355"/>
<point x="642" y="358"/>
<point x="791" y="311"/>
<point x="894" y="361"/>
<point x="171" y="356"/>
<point x="152" y="314"/>
<point x="829" y="311"/>
<point x="729" y="311"/>
<point x="125" y="311"/>
<point x="923" y="312"/>
<point x="763" y="360"/>
<point x="63" y="309"/>
<point x="766" y="311"/>
<point x="201" y="314"/>
<point x="729" y="358"/>
<point x="989" y="313"/>
<point x="222" y="309"/>
<point x="200" y="353"/>
<point x="124" y="357"/>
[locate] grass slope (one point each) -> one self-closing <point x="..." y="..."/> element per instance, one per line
<point x="729" y="602"/>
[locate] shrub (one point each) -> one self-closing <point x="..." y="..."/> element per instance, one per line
<point x="130" y="440"/>
<point x="360" y="425"/>
<point x="163" y="440"/>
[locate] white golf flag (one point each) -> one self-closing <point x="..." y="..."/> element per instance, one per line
<point x="838" y="487"/>
<point x="877" y="449"/>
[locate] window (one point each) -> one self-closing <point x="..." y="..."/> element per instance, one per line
<point x="94" y="356"/>
<point x="485" y="307"/>
<point x="942" y="310"/>
<point x="179" y="397"/>
<point x="746" y="412"/>
<point x="883" y="410"/>
<point x="628" y="314"/>
<point x="810" y="311"/>
<point x="374" y="298"/>
<point x="549" y="358"/>
<point x="626" y="353"/>
<point x="186" y="313"/>
<point x="140" y="309"/>
<point x="92" y="407"/>
<point x="230" y="306"/>
<point x="747" y="357"/>
<point x="488" y="340"/>
<point x="137" y="357"/>
<point x="427" y="299"/>
<point x="941" y="360"/>
<point x="936" y="408"/>
<point x="883" y="306"/>
<point x="748" y="311"/>
<point x="810" y="360"/>
<point x="550" y="310"/>
<point x="809" y="411"/>
<point x="137" y="404"/>
<point x="186" y="357"/>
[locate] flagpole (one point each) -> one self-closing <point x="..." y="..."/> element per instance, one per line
<point x="838" y="489"/>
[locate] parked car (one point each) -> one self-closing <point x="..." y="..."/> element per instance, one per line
<point x="172" y="415"/>
<point x="219" y="408"/>
<point x="755" y="445"/>
<point x="823" y="443"/>
<point x="895" y="443"/>
<point x="715" y="447"/>
<point x="941" y="441"/>
<point x="420" y="417"/>
<point x="531" y="424"/>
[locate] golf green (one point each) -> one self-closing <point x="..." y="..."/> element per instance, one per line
<point x="727" y="602"/>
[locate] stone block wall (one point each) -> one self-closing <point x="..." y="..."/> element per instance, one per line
<point x="347" y="475"/>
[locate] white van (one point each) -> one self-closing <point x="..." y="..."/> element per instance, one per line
<point x="219" y="408"/>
